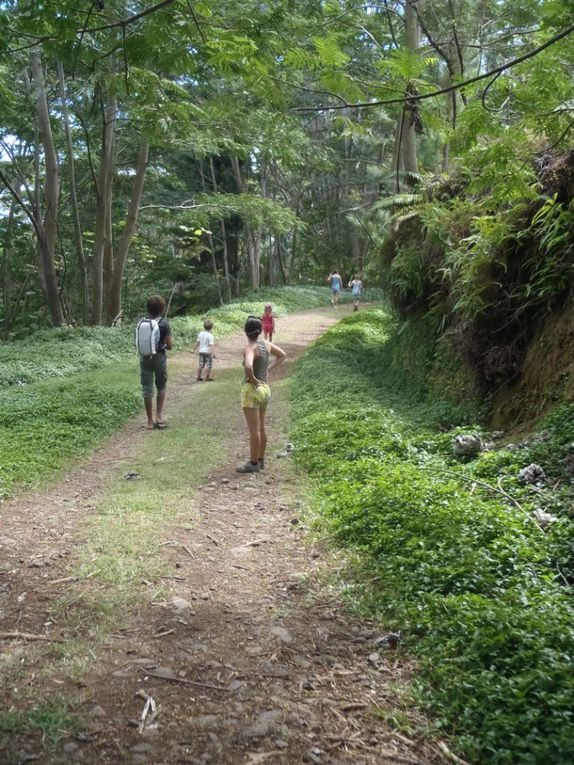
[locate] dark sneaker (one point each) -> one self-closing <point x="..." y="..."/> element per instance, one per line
<point x="261" y="464"/>
<point x="249" y="467"/>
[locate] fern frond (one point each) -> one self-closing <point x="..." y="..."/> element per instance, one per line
<point x="398" y="201"/>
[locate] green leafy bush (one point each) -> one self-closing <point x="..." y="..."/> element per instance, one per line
<point x="474" y="584"/>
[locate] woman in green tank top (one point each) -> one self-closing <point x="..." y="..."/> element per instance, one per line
<point x="255" y="392"/>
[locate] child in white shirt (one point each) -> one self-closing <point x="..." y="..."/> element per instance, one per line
<point x="205" y="345"/>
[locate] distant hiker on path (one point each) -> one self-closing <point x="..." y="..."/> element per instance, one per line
<point x="255" y="392"/>
<point x="268" y="321"/>
<point x="205" y="346"/>
<point x="336" y="283"/>
<point x="356" y="287"/>
<point x="153" y="339"/>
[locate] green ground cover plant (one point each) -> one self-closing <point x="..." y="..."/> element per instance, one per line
<point x="52" y="718"/>
<point x="480" y="592"/>
<point x="63" y="390"/>
<point x="46" y="425"/>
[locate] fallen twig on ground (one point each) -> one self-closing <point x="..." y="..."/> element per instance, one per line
<point x="444" y="748"/>
<point x="188" y="551"/>
<point x="185" y="681"/>
<point x="256" y="543"/>
<point x="28" y="636"/>
<point x="485" y="485"/>
<point x="163" y="634"/>
<point x="150" y="711"/>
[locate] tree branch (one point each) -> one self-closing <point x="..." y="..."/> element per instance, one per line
<point x="561" y="136"/>
<point x="484" y="485"/>
<point x="455" y="35"/>
<point x="186" y="206"/>
<point x="21" y="176"/>
<point x="22" y="204"/>
<point x="196" y="21"/>
<point x="308" y="90"/>
<point x="85" y="30"/>
<point x="390" y="23"/>
<point x="485" y="93"/>
<point x="131" y="19"/>
<point x="450" y="88"/>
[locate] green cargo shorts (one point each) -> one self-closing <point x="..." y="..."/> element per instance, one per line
<point x="153" y="368"/>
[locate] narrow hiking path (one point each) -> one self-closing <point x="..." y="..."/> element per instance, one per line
<point x="153" y="576"/>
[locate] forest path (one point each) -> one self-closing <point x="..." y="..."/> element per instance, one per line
<point x="193" y="586"/>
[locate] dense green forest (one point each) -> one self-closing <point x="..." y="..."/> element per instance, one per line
<point x="217" y="151"/>
<point x="194" y="148"/>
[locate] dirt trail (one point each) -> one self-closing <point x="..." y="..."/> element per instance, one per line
<point x="248" y="659"/>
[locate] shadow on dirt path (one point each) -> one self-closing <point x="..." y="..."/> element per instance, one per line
<point x="232" y="651"/>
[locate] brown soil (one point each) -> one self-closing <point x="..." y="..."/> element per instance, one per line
<point x="547" y="375"/>
<point x="251" y="658"/>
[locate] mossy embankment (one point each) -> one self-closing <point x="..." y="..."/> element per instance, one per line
<point x="495" y="283"/>
<point x="449" y="553"/>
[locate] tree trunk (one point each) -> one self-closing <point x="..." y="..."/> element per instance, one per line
<point x="291" y="257"/>
<point x="356" y="250"/>
<point x="257" y="251"/>
<point x="210" y="240"/>
<point x="252" y="264"/>
<point x="405" y="151"/>
<point x="108" y="266"/>
<point x="412" y="40"/>
<point x="280" y="261"/>
<point x="252" y="238"/>
<point x="7" y="274"/>
<point x="103" y="205"/>
<point x="223" y="238"/>
<point x="114" y="303"/>
<point x="78" y="239"/>
<point x="47" y="241"/>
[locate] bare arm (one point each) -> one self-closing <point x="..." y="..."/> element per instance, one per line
<point x="168" y="342"/>
<point x="248" y="357"/>
<point x="278" y="354"/>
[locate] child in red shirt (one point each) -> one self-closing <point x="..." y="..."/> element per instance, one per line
<point x="268" y="321"/>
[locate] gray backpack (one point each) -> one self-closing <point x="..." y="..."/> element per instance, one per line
<point x="147" y="336"/>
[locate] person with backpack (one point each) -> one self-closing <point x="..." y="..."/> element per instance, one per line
<point x="153" y="339"/>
